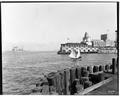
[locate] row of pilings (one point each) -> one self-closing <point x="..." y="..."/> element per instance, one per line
<point x="73" y="80"/>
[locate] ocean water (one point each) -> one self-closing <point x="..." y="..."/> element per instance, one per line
<point x="21" y="70"/>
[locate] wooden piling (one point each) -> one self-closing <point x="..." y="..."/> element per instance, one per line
<point x="95" y="69"/>
<point x="117" y="65"/>
<point x="62" y="82"/>
<point x="45" y="89"/>
<point x="51" y="77"/>
<point x="72" y="74"/>
<point x="79" y="87"/>
<point x="89" y="69"/>
<point x="58" y="83"/>
<point x="113" y="66"/>
<point x="83" y="79"/>
<point x="101" y="68"/>
<point x="67" y="81"/>
<point x="78" y="72"/>
<point x="107" y="68"/>
<point x="110" y="66"/>
<point x="52" y="89"/>
<point x="84" y="72"/>
<point x="87" y="84"/>
<point x="76" y="87"/>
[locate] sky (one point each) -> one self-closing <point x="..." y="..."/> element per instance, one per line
<point x="44" y="26"/>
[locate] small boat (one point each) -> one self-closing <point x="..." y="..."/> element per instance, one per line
<point x="75" y="54"/>
<point x="78" y="54"/>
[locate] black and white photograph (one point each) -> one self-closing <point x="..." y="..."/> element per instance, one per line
<point x="60" y="48"/>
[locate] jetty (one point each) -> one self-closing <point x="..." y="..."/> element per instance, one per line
<point x="78" y="80"/>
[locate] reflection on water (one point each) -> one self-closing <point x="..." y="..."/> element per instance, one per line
<point x="21" y="70"/>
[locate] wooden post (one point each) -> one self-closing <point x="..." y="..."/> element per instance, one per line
<point x="87" y="84"/>
<point x="52" y="89"/>
<point x="107" y="68"/>
<point x="84" y="72"/>
<point x="117" y="65"/>
<point x="51" y="77"/>
<point x="101" y="68"/>
<point x="83" y="79"/>
<point x="72" y="77"/>
<point x="45" y="89"/>
<point x="72" y="74"/>
<point x="90" y="69"/>
<point x="76" y="87"/>
<point x="62" y="82"/>
<point x="57" y="83"/>
<point x="67" y="81"/>
<point x="95" y="69"/>
<point x="78" y="72"/>
<point x="113" y="66"/>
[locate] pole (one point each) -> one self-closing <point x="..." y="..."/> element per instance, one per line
<point x="113" y="66"/>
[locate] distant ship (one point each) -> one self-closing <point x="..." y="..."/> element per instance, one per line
<point x="17" y="49"/>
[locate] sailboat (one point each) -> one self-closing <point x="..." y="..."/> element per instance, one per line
<point x="74" y="54"/>
<point x="78" y="54"/>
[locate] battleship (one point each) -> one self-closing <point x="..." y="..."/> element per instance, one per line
<point x="90" y="46"/>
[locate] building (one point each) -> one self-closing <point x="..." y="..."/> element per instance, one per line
<point x="68" y="46"/>
<point x="84" y="48"/>
<point x="110" y="43"/>
<point x="89" y="46"/>
<point x="98" y="43"/>
<point x="104" y="37"/>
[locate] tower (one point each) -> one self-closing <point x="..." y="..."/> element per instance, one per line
<point x="86" y="39"/>
<point x="104" y="37"/>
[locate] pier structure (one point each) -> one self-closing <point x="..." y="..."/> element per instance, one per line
<point x="90" y="46"/>
<point x="84" y="48"/>
<point x="77" y="80"/>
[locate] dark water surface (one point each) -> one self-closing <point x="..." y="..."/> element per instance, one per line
<point x="21" y="70"/>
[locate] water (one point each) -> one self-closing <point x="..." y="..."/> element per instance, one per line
<point x="21" y="70"/>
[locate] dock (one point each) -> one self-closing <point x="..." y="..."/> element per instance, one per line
<point x="80" y="80"/>
<point x="111" y="88"/>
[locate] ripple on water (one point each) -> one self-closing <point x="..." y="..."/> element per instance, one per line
<point x="22" y="70"/>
